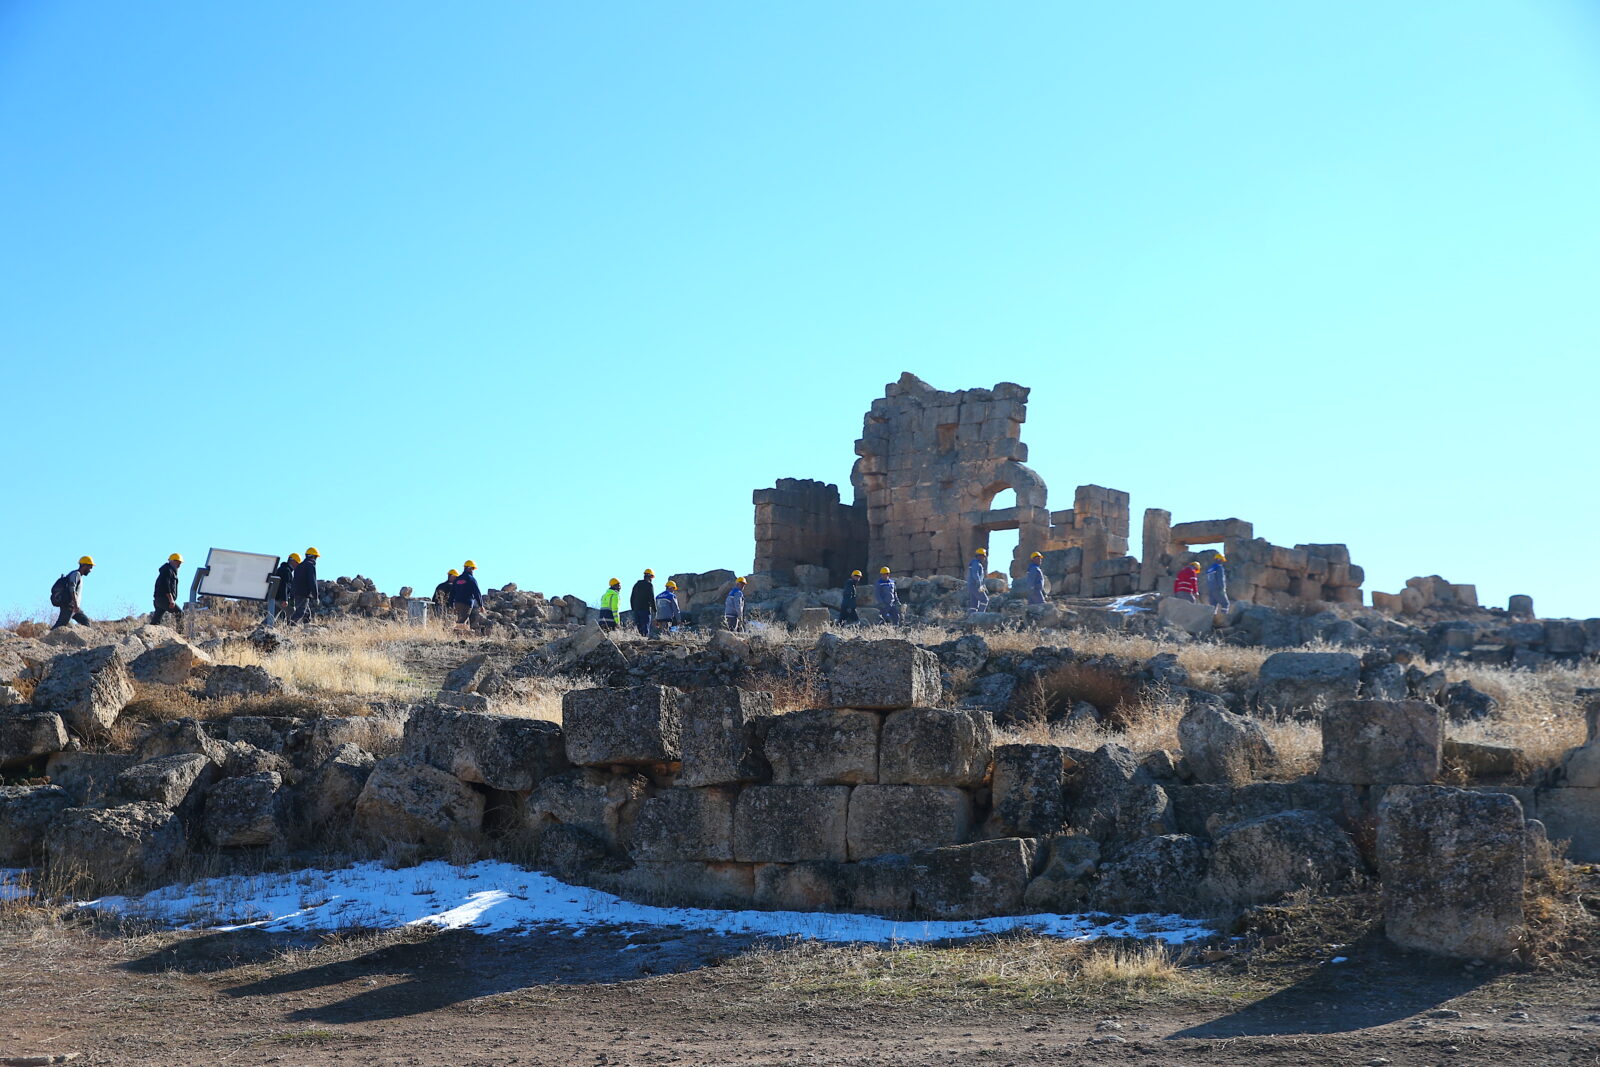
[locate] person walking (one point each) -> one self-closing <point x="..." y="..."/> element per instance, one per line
<point x="67" y="594"/>
<point x="642" y="601"/>
<point x="1035" y="578"/>
<point x="1217" y="584"/>
<point x="977" y="598"/>
<point x="733" y="606"/>
<point x="304" y="593"/>
<point x="667" y="611"/>
<point x="166" y="594"/>
<point x="1186" y="586"/>
<point x="611" y="605"/>
<point x="848" y="614"/>
<point x="278" y="602"/>
<point x="441" y="592"/>
<point x="465" y="596"/>
<point x="887" y="599"/>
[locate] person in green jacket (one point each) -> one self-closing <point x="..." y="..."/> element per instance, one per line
<point x="610" y="605"/>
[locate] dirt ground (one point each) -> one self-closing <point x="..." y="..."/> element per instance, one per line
<point x="109" y="996"/>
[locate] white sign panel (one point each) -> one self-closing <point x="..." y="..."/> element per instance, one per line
<point x="241" y="575"/>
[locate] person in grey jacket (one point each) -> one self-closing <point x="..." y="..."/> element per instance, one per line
<point x="1035" y="579"/>
<point x="887" y="599"/>
<point x="977" y="597"/>
<point x="1217" y="584"/>
<point x="733" y="606"/>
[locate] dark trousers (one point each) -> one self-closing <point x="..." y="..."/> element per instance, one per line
<point x="70" y="613"/>
<point x="163" y="610"/>
<point x="641" y="622"/>
<point x="302" y="609"/>
<point x="465" y="612"/>
<point x="848" y="615"/>
<point x="732" y="622"/>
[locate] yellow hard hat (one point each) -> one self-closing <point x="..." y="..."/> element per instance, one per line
<point x="981" y="552"/>
<point x="883" y="570"/>
<point x="312" y="552"/>
<point x="648" y="573"/>
<point x="469" y="565"/>
<point x="855" y="574"/>
<point x="672" y="585"/>
<point x="1037" y="555"/>
<point x="294" y="557"/>
<point x="1221" y="558"/>
<point x="86" y="561"/>
<point x="1195" y="565"/>
<point x="616" y="583"/>
<point x="739" y="581"/>
<point x="454" y="573"/>
<point x="176" y="557"/>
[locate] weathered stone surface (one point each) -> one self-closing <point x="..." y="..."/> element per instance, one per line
<point x="1028" y="790"/>
<point x="692" y="884"/>
<point x="499" y="751"/>
<point x="414" y="803"/>
<point x="813" y="620"/>
<point x="1187" y="616"/>
<point x="106" y="848"/>
<point x="1452" y="866"/>
<point x="463" y="701"/>
<point x="899" y="819"/>
<point x="1223" y="747"/>
<point x="166" y="664"/>
<point x="171" y="781"/>
<point x="721" y="736"/>
<point x="1573" y="815"/>
<point x="801" y="886"/>
<point x="935" y="746"/>
<point x="1260" y="860"/>
<point x="685" y="824"/>
<point x="1385" y="682"/>
<point x="26" y="812"/>
<point x="1381" y="742"/>
<point x="884" y="675"/>
<point x="328" y="796"/>
<point x="1206" y="810"/>
<point x="787" y="824"/>
<point x="823" y="747"/>
<point x="1291" y="681"/>
<point x="27" y="734"/>
<point x="573" y="854"/>
<point x="1063" y="885"/>
<point x="245" y="812"/>
<point x="180" y="737"/>
<point x="88" y="777"/>
<point x="87" y="689"/>
<point x="269" y="733"/>
<point x="1114" y="799"/>
<point x="1485" y="762"/>
<point x="476" y="675"/>
<point x="378" y="734"/>
<point x="226" y="681"/>
<point x="637" y="725"/>
<point x="969" y="881"/>
<point x="604" y="806"/>
<point x="1154" y="874"/>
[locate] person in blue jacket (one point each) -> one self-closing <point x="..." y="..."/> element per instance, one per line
<point x="304" y="591"/>
<point x="887" y="599"/>
<point x="977" y="599"/>
<point x="733" y="606"/>
<point x="1035" y="579"/>
<point x="1217" y="584"/>
<point x="667" y="611"/>
<point x="465" y="596"/>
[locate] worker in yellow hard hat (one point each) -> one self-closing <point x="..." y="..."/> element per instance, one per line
<point x="441" y="592"/>
<point x="1035" y="581"/>
<point x="303" y="590"/>
<point x="1217" y="585"/>
<point x="165" y="599"/>
<point x="611" y="605"/>
<point x="848" y="613"/>
<point x="642" y="602"/>
<point x="67" y="594"/>
<point x="733" y="606"/>
<point x="466" y="598"/>
<point x="279" y="583"/>
<point x="887" y="598"/>
<point x="668" y="613"/>
<point x="977" y="597"/>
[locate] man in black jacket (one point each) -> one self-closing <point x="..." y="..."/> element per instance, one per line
<point x="465" y="596"/>
<point x="304" y="589"/>
<point x="279" y="604"/>
<point x="643" y="601"/>
<point x="166" y="595"/>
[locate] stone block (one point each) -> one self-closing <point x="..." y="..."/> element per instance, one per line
<point x="1452" y="864"/>
<point x="1290" y="681"/>
<point x="328" y="796"/>
<point x="1520" y="605"/>
<point x="246" y="812"/>
<point x="1382" y="742"/>
<point x="1260" y="860"/>
<point x="689" y="883"/>
<point x="87" y="689"/>
<point x="1206" y="810"/>
<point x="1485" y="762"/>
<point x="899" y="819"/>
<point x="87" y="777"/>
<point x="26" y="734"/>
<point x="789" y="824"/>
<point x="1160" y="874"/>
<point x="166" y="664"/>
<point x="171" y="781"/>
<point x="823" y="746"/>
<point x="633" y="726"/>
<point x="413" y="803"/>
<point x="229" y="682"/>
<point x="884" y="675"/>
<point x="604" y="806"/>
<point x="973" y="881"/>
<point x="1572" y="814"/>
<point x="1186" y="616"/>
<point x="1027" y="790"/>
<point x="720" y="736"/>
<point x="1223" y="747"/>
<point x="500" y="751"/>
<point x="26" y="812"/>
<point x="936" y="746"/>
<point x="377" y="734"/>
<point x="813" y="620"/>
<point x="1064" y="881"/>
<point x="800" y="886"/>
<point x="106" y="848"/>
<point x="685" y="824"/>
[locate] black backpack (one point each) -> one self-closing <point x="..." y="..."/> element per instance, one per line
<point x="61" y="592"/>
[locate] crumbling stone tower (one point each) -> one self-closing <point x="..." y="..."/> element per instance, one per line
<point x="931" y="464"/>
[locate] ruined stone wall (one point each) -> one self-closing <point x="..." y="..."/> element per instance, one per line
<point x="801" y="522"/>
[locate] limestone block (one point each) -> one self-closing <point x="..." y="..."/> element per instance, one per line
<point x="166" y="664"/>
<point x="685" y="824"/>
<point x="1206" y="810"/>
<point x="328" y="796"/>
<point x="823" y="746"/>
<point x="971" y="881"/>
<point x="110" y="846"/>
<point x="1485" y="762"/>
<point x="246" y="812"/>
<point x="1382" y="742"/>
<point x="692" y="884"/>
<point x="813" y="620"/>
<point x="1452" y="866"/>
<point x="602" y="805"/>
<point x="87" y="777"/>
<point x="414" y="803"/>
<point x="800" y="886"/>
<point x="1183" y="615"/>
<point x="87" y="689"/>
<point x="720" y="742"/>
<point x="884" y="674"/>
<point x="500" y="751"/>
<point x="788" y="824"/>
<point x="1520" y="605"/>
<point x="1066" y="876"/>
<point x="1161" y="874"/>
<point x="1262" y="859"/>
<point x="171" y="781"/>
<point x="1573" y="815"/>
<point x="1389" y="603"/>
<point x="1027" y="790"/>
<point x="1220" y="746"/>
<point x="26" y="812"/>
<point x="936" y="746"/>
<point x="1294" y="680"/>
<point x="636" y="725"/>
<point x="899" y="819"/>
<point x="372" y="733"/>
<point x="26" y="734"/>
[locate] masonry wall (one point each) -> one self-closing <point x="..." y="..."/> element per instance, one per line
<point x="803" y="522"/>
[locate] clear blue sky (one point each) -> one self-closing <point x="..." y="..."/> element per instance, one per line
<point x="555" y="286"/>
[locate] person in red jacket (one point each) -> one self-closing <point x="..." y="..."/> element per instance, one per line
<point x="1186" y="586"/>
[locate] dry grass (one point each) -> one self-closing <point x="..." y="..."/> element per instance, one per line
<point x="1539" y="711"/>
<point x="540" y="698"/>
<point x="1149" y="723"/>
<point x="342" y="669"/>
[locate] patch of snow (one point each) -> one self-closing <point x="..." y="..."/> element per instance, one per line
<point x="1131" y="605"/>
<point x="1340" y="959"/>
<point x="495" y="897"/>
<point x="11" y="887"/>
